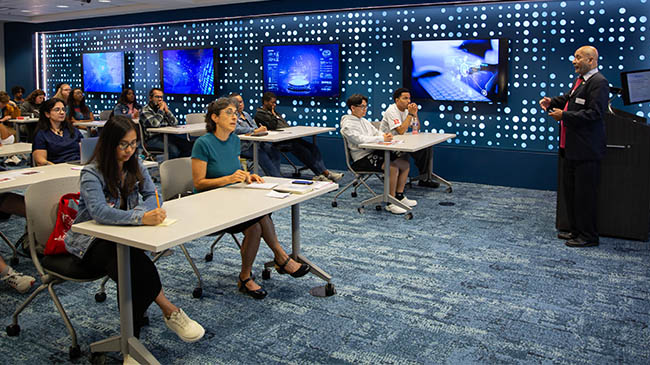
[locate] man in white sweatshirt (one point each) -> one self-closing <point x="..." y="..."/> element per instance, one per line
<point x="357" y="130"/>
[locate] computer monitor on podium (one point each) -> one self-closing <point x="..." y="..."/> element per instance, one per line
<point x="636" y="86"/>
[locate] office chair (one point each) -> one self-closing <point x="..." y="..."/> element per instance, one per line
<point x="360" y="178"/>
<point x="149" y="154"/>
<point x="105" y="114"/>
<point x="195" y="118"/>
<point x="42" y="201"/>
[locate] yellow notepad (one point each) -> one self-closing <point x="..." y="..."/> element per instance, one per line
<point x="167" y="222"/>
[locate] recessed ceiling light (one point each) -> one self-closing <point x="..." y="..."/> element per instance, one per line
<point x="25" y="11"/>
<point x="62" y="6"/>
<point x="104" y="1"/>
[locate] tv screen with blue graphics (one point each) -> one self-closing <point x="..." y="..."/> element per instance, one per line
<point x="188" y="71"/>
<point x="457" y="70"/>
<point x="302" y="70"/>
<point x="103" y="72"/>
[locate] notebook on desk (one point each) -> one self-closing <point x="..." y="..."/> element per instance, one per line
<point x="294" y="188"/>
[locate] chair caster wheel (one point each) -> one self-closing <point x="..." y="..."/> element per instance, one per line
<point x="197" y="293"/>
<point x="329" y="290"/>
<point x="208" y="257"/>
<point x="13" y="330"/>
<point x="378" y="208"/>
<point x="335" y="204"/>
<point x="74" y="352"/>
<point x="97" y="358"/>
<point x="100" y="297"/>
<point x="360" y="210"/>
<point x="354" y="194"/>
<point x="266" y="274"/>
<point x="408" y="216"/>
<point x="448" y="190"/>
<point x="14" y="261"/>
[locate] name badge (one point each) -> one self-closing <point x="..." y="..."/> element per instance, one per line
<point x="580" y="101"/>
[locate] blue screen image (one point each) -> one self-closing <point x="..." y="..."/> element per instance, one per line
<point x="302" y="70"/>
<point x="188" y="71"/>
<point x="459" y="70"/>
<point x="103" y="72"/>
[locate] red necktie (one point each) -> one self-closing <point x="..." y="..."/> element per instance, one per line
<point x="562" y="128"/>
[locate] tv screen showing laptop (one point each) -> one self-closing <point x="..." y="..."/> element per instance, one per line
<point x="189" y="71"/>
<point x="302" y="70"/>
<point x="636" y="86"/>
<point x="457" y="69"/>
<point x="103" y="72"/>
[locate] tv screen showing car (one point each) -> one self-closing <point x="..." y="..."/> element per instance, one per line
<point x="457" y="70"/>
<point x="189" y="71"/>
<point x="302" y="70"/>
<point x="103" y="72"/>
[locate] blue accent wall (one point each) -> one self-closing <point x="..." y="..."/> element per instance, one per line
<point x="511" y="143"/>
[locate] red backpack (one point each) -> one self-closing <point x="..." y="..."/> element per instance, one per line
<point x="65" y="215"/>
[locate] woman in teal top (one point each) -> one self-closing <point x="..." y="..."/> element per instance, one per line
<point x="215" y="163"/>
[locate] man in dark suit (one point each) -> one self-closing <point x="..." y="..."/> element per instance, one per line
<point x="582" y="145"/>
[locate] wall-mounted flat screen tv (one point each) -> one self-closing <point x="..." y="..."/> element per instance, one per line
<point x="189" y="71"/>
<point x="636" y="87"/>
<point x="302" y="70"/>
<point x="457" y="70"/>
<point x="103" y="72"/>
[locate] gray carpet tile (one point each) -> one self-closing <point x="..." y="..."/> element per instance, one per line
<point x="482" y="281"/>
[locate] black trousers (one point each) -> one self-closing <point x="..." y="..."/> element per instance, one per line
<point x="421" y="159"/>
<point x="581" y="180"/>
<point x="145" y="282"/>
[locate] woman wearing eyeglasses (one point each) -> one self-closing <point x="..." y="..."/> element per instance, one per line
<point x="215" y="163"/>
<point x="116" y="189"/>
<point x="56" y="140"/>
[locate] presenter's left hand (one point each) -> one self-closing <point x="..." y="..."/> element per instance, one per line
<point x="555" y="114"/>
<point x="255" y="178"/>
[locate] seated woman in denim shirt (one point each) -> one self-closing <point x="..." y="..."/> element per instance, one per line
<point x="215" y="163"/>
<point x="56" y="140"/>
<point x="111" y="187"/>
<point x="127" y="105"/>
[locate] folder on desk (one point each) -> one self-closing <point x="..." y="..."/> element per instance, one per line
<point x="294" y="188"/>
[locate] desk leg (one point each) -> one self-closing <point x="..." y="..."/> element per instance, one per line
<point x="125" y="342"/>
<point x="256" y="165"/>
<point x="165" y="146"/>
<point x="432" y="174"/>
<point x="17" y="125"/>
<point x="295" y="245"/>
<point x="385" y="198"/>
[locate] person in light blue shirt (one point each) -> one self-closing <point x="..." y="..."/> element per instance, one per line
<point x="267" y="155"/>
<point x="215" y="163"/>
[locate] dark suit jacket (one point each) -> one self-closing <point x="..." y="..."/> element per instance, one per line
<point x="585" y="129"/>
<point x="265" y="118"/>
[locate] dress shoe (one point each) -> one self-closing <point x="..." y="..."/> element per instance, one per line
<point x="566" y="235"/>
<point x="302" y="270"/>
<point x="257" y="294"/>
<point x="428" y="183"/>
<point x="579" y="242"/>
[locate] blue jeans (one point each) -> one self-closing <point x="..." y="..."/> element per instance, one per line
<point x="308" y="153"/>
<point x="178" y="145"/>
<point x="268" y="158"/>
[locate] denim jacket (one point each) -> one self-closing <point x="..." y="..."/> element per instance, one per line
<point x="96" y="203"/>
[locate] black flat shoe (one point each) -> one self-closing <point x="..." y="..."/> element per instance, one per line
<point x="579" y="242"/>
<point x="257" y="294"/>
<point x="302" y="271"/>
<point x="566" y="235"/>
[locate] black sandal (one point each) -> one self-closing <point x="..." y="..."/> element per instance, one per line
<point x="302" y="271"/>
<point x="257" y="294"/>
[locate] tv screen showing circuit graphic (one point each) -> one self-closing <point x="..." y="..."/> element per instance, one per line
<point x="457" y="70"/>
<point x="188" y="71"/>
<point x="302" y="70"/>
<point x="103" y="72"/>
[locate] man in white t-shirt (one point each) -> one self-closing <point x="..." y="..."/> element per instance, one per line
<point x="397" y="119"/>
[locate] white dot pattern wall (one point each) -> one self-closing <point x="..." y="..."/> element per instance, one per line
<point x="542" y="38"/>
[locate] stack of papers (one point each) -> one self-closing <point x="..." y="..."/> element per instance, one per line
<point x="294" y="188"/>
<point x="263" y="186"/>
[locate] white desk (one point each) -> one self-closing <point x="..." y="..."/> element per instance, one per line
<point x="22" y="120"/>
<point x="94" y="123"/>
<point x="280" y="136"/>
<point x="410" y="143"/>
<point x="179" y="129"/>
<point x="197" y="217"/>
<point x="15" y="149"/>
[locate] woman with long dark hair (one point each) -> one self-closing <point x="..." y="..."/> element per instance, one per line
<point x="32" y="103"/>
<point x="116" y="189"/>
<point x="56" y="140"/>
<point x="127" y="105"/>
<point x="215" y="163"/>
<point x="78" y="111"/>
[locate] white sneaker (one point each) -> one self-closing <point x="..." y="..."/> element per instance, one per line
<point x="321" y="177"/>
<point x="13" y="160"/>
<point x="22" y="283"/>
<point x="395" y="209"/>
<point x="409" y="202"/>
<point x="335" y="176"/>
<point x="128" y="360"/>
<point x="186" y="328"/>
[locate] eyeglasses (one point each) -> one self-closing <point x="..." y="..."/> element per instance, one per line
<point x="229" y="111"/>
<point x="361" y="106"/>
<point x="58" y="110"/>
<point x="124" y="145"/>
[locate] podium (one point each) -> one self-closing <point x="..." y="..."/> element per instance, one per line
<point x="624" y="194"/>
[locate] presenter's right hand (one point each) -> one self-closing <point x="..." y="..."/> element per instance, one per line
<point x="388" y="137"/>
<point x="154" y="217"/>
<point x="545" y="102"/>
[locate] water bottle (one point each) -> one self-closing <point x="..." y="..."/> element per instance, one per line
<point x="415" y="124"/>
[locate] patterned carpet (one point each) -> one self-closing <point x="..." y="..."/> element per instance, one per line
<point x="483" y="281"/>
